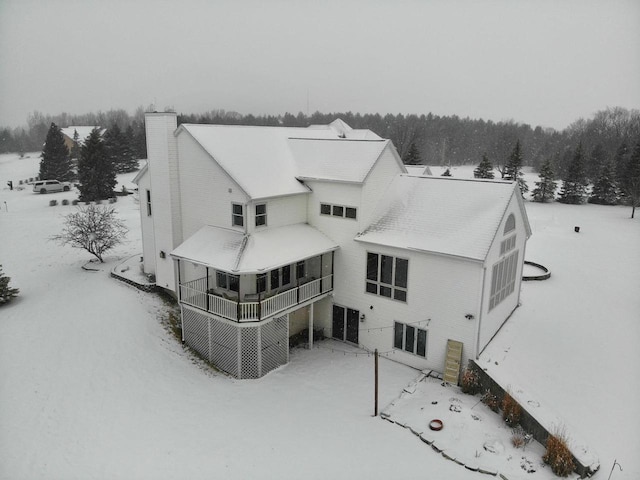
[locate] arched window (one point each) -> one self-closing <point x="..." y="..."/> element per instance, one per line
<point x="510" y="224"/>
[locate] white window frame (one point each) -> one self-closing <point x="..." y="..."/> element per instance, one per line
<point x="402" y="343"/>
<point x="262" y="216"/>
<point x="148" y="202"/>
<point x="339" y="211"/>
<point x="396" y="291"/>
<point x="235" y="216"/>
<point x="507" y="244"/>
<point x="503" y="279"/>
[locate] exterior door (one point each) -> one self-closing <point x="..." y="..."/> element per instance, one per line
<point x="345" y="324"/>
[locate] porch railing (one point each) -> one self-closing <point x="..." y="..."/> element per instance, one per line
<point x="194" y="293"/>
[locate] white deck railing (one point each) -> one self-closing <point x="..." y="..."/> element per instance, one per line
<point x="194" y="293"/>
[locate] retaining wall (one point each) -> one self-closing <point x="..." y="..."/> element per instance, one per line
<point x="539" y="431"/>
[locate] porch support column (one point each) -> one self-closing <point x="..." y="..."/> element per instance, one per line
<point x="310" y="326"/>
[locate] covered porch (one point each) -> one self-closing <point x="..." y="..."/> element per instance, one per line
<point x="251" y="278"/>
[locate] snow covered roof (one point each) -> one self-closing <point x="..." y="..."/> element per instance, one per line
<point x="439" y="214"/>
<point x="338" y="159"/>
<point x="260" y="160"/>
<point x="237" y="252"/>
<point x="418" y="170"/>
<point x="83" y="132"/>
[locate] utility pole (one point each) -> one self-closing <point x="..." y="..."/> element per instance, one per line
<point x="375" y="359"/>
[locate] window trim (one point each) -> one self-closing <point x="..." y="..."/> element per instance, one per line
<point x="262" y="216"/>
<point x="337" y="210"/>
<point x="230" y="280"/>
<point x="235" y="216"/>
<point x="402" y="332"/>
<point x="503" y="279"/>
<point x="392" y="289"/>
<point x="509" y="224"/>
<point x="148" y="202"/>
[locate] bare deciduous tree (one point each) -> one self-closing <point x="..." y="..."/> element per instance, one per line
<point x="93" y="228"/>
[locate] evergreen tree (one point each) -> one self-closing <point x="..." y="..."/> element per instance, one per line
<point x="484" y="168"/>
<point x="574" y="182"/>
<point x="631" y="182"/>
<point x="545" y="189"/>
<point x="513" y="168"/>
<point x="75" y="149"/>
<point x="597" y="158"/>
<point x="55" y="163"/>
<point x="604" y="188"/>
<point x="96" y="174"/>
<point x="6" y="292"/>
<point x="130" y="159"/>
<point x="115" y="148"/>
<point x="413" y="155"/>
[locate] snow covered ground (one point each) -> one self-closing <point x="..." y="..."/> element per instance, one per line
<point x="93" y="387"/>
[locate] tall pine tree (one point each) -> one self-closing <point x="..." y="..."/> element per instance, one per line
<point x="574" y="181"/>
<point x="513" y="168"/>
<point x="604" y="188"/>
<point x="484" y="168"/>
<point x="545" y="189"/>
<point x="55" y="163"/>
<point x="412" y="156"/>
<point x="130" y="159"/>
<point x="96" y="174"/>
<point x="631" y="182"/>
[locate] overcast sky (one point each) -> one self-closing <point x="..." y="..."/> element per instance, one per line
<point x="538" y="62"/>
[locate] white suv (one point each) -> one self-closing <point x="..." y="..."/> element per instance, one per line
<point x="48" y="186"/>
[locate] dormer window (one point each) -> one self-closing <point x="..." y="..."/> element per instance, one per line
<point x="261" y="214"/>
<point x="237" y="215"/>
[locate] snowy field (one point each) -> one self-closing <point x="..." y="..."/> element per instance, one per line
<point x="93" y="387"/>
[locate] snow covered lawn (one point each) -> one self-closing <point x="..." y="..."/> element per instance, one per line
<point x="92" y="386"/>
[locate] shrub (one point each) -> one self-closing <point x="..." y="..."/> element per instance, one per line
<point x="113" y="200"/>
<point x="491" y="401"/>
<point x="470" y="381"/>
<point x="74" y="202"/>
<point x="65" y="202"/>
<point x="53" y="203"/>
<point x="519" y="437"/>
<point x="511" y="410"/>
<point x="558" y="456"/>
<point x="6" y="292"/>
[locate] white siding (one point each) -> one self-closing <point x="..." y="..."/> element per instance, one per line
<point x="281" y="211"/>
<point x="207" y="191"/>
<point x="441" y="292"/>
<point x="376" y="183"/>
<point x="146" y="225"/>
<point x="491" y="321"/>
<point x="165" y="194"/>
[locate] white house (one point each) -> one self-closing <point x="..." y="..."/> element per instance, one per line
<point x="263" y="232"/>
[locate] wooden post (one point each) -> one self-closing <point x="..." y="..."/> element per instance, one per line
<point x="375" y="359"/>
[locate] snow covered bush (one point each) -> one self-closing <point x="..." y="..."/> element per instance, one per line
<point x="558" y="456"/>
<point x="519" y="437"/>
<point x="65" y="202"/>
<point x="6" y="292"/>
<point x="511" y="410"/>
<point x="53" y="203"/>
<point x="470" y="381"/>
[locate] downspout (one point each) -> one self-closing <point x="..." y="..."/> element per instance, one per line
<point x="479" y="324"/>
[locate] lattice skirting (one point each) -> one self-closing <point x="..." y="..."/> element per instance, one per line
<point x="242" y="350"/>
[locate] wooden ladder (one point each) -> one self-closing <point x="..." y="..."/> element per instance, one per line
<point x="452" y="361"/>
